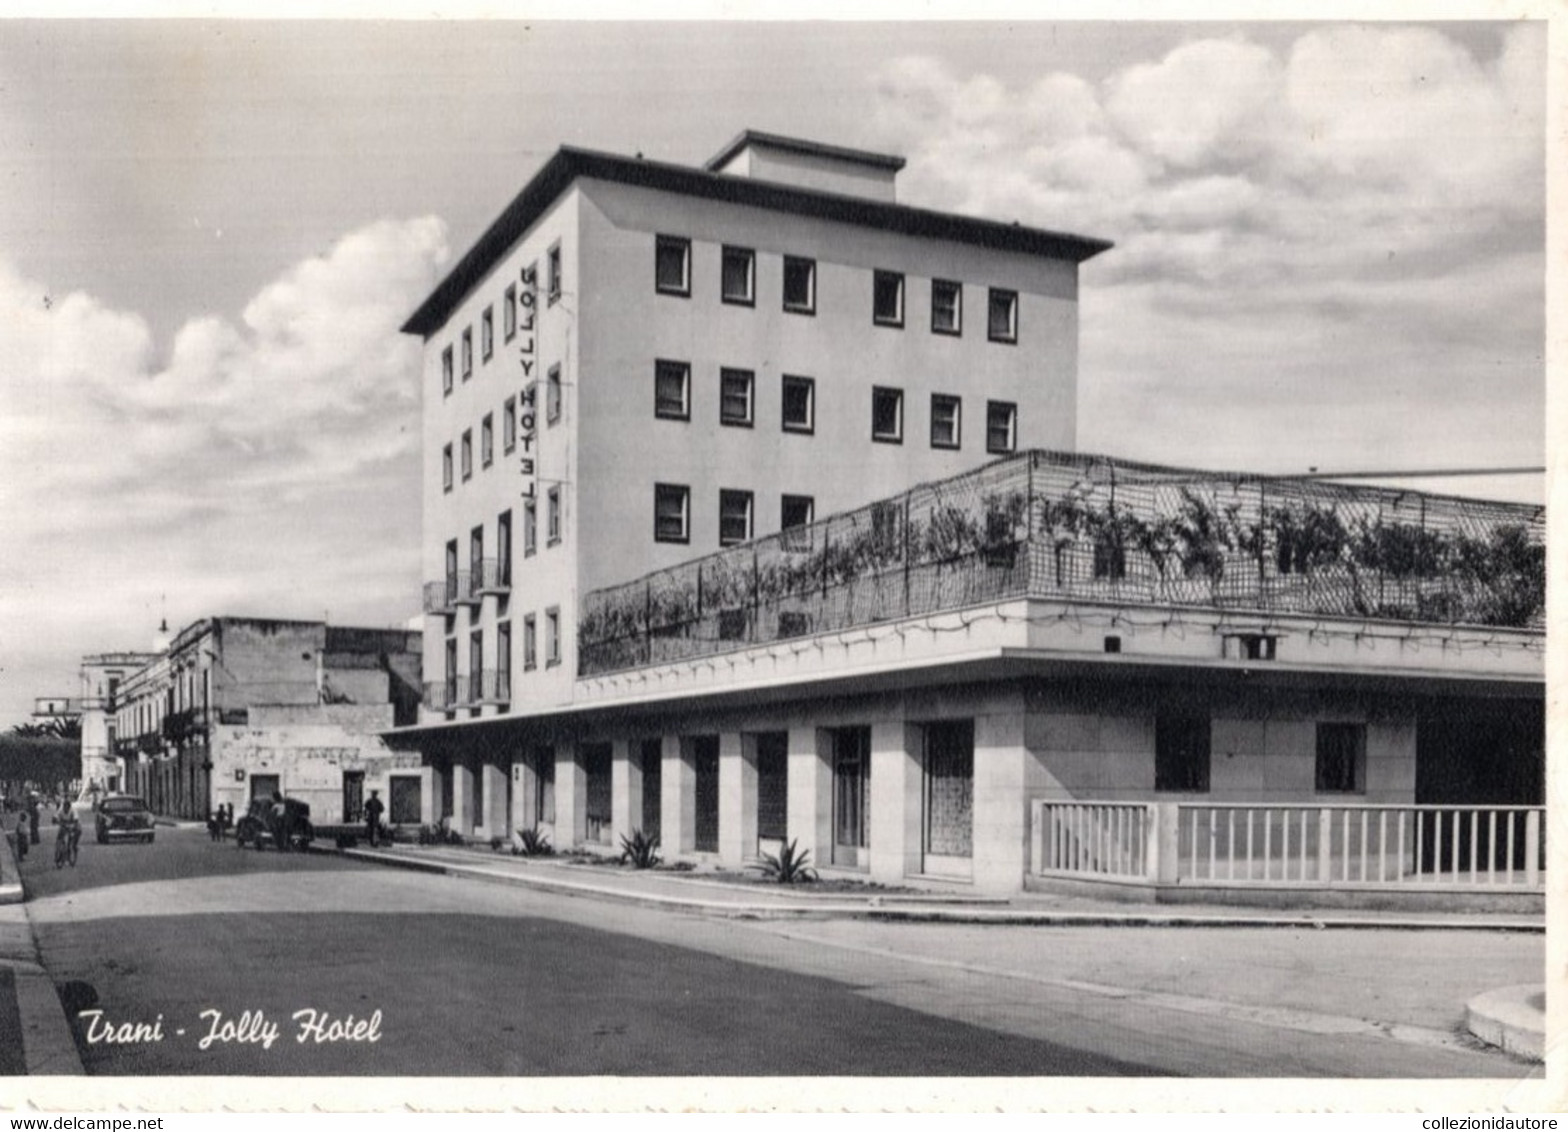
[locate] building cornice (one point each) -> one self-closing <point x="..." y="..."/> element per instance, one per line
<point x="569" y="164"/>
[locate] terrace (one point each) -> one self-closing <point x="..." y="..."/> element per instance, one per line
<point x="1077" y="528"/>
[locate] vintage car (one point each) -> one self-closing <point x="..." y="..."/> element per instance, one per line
<point x="123" y="816"/>
<point x="256" y="827"/>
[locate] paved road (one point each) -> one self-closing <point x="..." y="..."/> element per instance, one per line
<point x="481" y="979"/>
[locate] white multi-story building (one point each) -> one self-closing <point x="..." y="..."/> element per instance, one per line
<point x="752" y="515"/>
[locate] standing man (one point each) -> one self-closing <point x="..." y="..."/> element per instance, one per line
<point x="280" y="822"/>
<point x="373" y="811"/>
<point x="32" y="816"/>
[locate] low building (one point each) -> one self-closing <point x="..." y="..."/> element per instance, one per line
<point x="1061" y="666"/>
<point x="174" y="715"/>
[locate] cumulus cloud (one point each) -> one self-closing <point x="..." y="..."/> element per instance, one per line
<point x="1330" y="253"/>
<point x="188" y="475"/>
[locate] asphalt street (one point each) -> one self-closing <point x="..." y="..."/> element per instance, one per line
<point x="433" y="975"/>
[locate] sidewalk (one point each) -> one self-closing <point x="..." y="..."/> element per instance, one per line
<point x="701" y="893"/>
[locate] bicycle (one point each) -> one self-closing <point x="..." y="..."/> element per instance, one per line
<point x="67" y="843"/>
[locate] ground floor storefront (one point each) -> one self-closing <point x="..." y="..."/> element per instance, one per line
<point x="947" y="782"/>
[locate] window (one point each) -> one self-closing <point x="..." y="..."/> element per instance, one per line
<point x="887" y="414"/>
<point x="552" y="636"/>
<point x="552" y="395"/>
<point x="1181" y="754"/>
<point x="476" y="556"/>
<point x="509" y="312"/>
<point x="672" y="265"/>
<point x="945" y="414"/>
<point x="503" y="661"/>
<point x="553" y="273"/>
<point x="487" y="334"/>
<point x="738" y="276"/>
<point x="468" y="352"/>
<point x="796" y="511"/>
<point x="800" y="285"/>
<point x="947" y="307"/>
<point x="735" y="396"/>
<point x="509" y="425"/>
<point x="800" y="404"/>
<point x="671" y="512"/>
<point x="446" y="468"/>
<point x="476" y="652"/>
<point x="1001" y="426"/>
<point x="672" y="390"/>
<point x="530" y="643"/>
<point x="552" y="513"/>
<point x="446" y="370"/>
<point x="887" y="298"/>
<point x="468" y="452"/>
<point x="1003" y="323"/>
<point x="530" y="527"/>
<point x="734" y="517"/>
<point x="487" y="440"/>
<point x="1341" y="758"/>
<point x="503" y="548"/>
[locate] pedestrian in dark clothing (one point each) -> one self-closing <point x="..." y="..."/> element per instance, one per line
<point x="373" y="811"/>
<point x="32" y="817"/>
<point x="280" y="822"/>
<point x="21" y="836"/>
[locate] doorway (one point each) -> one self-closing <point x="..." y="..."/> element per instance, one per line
<point x="851" y="796"/>
<point x="353" y="796"/>
<point x="264" y="786"/>
<point x="948" y="836"/>
<point x="705" y="771"/>
<point x="652" y="754"/>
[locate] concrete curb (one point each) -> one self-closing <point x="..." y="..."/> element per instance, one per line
<point x="890" y="909"/>
<point x="1512" y="1018"/>
<point x="47" y="1042"/>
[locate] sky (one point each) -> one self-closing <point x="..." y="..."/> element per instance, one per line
<point x="1330" y="253"/>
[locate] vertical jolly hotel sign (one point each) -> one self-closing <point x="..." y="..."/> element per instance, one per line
<point x="527" y="415"/>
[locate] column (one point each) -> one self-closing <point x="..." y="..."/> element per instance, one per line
<point x="737" y="798"/>
<point x="1001" y="803"/>
<point x="427" y="796"/>
<point x="895" y="801"/>
<point x="525" y="792"/>
<point x="462" y="799"/>
<point x="571" y="797"/>
<point x="678" y="806"/>
<point x="492" y="793"/>
<point x="810" y="818"/>
<point x="625" y="789"/>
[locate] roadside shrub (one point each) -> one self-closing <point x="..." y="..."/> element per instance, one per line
<point x="640" y="851"/>
<point x="788" y="867"/>
<point x="496" y="843"/>
<point x="531" y="843"/>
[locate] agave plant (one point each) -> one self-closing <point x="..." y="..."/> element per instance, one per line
<point x="789" y="866"/>
<point x="531" y="843"/>
<point x="640" y="851"/>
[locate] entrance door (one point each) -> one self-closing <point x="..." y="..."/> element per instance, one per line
<point x="949" y="798"/>
<point x="353" y="796"/>
<point x="705" y="760"/>
<point x="264" y="785"/>
<point x="652" y="785"/>
<point x="772" y="790"/>
<point x="407" y="805"/>
<point x="851" y="796"/>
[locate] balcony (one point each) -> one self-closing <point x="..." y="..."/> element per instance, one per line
<point x="446" y="596"/>
<point x="495" y="686"/>
<point x="492" y="576"/>
<point x="1063" y="527"/>
<point x="445" y="695"/>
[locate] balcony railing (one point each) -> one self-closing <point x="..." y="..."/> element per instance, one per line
<point x="447" y="595"/>
<point x="444" y="695"/>
<point x="1280" y="845"/>
<point x="495" y="686"/>
<point x="1065" y="527"/>
<point x="494" y="576"/>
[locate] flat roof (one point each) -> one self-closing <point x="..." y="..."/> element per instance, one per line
<point x="570" y="163"/>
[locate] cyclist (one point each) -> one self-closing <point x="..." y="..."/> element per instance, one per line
<point x="68" y="837"/>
